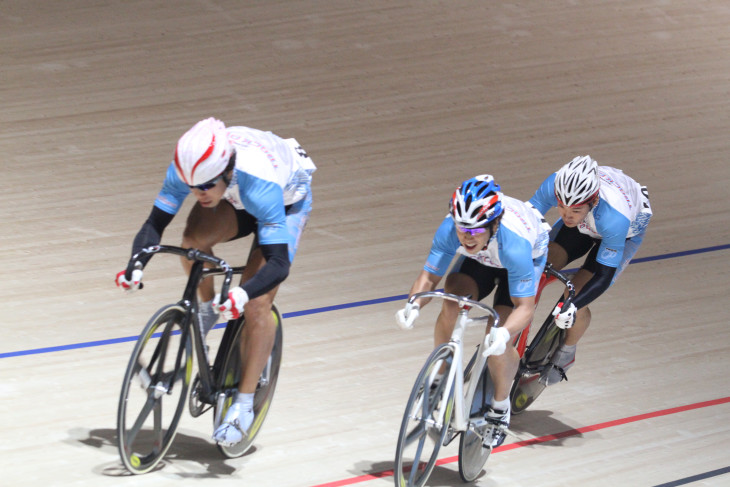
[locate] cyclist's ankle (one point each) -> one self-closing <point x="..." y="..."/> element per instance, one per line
<point x="245" y="400"/>
<point x="501" y="406"/>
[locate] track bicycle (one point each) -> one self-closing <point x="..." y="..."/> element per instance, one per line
<point x="535" y="357"/>
<point x="161" y="368"/>
<point x="439" y="410"/>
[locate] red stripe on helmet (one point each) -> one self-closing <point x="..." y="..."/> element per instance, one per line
<point x="179" y="168"/>
<point x="205" y="155"/>
<point x="588" y="200"/>
<point x="488" y="205"/>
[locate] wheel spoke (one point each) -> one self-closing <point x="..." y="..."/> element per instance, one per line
<point x="416" y="433"/>
<point x="131" y="434"/>
<point x="158" y="430"/>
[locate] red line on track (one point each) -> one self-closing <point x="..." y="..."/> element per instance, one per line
<point x="544" y="439"/>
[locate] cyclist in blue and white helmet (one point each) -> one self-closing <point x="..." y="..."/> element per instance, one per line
<point x="501" y="244"/>
<point x="603" y="216"/>
<point x="476" y="202"/>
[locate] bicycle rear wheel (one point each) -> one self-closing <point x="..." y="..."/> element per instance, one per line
<point x="473" y="455"/>
<point x="420" y="436"/>
<point x="160" y="368"/>
<point x="231" y="376"/>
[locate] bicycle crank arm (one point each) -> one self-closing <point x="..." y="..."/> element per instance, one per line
<point x="219" y="410"/>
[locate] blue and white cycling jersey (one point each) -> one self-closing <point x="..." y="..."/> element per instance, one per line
<point x="520" y="246"/>
<point x="270" y="173"/>
<point x="623" y="212"/>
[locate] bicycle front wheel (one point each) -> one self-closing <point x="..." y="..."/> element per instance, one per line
<point x="421" y="433"/>
<point x="231" y="376"/>
<point x="473" y="453"/>
<point x="159" y="369"/>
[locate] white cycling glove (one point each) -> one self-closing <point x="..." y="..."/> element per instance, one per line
<point x="406" y="316"/>
<point x="132" y="284"/>
<point x="497" y="341"/>
<point x="564" y="319"/>
<point x="232" y="308"/>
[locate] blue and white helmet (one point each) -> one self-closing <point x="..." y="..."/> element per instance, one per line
<point x="477" y="202"/>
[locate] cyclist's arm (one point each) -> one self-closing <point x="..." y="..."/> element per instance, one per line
<point x="168" y="202"/>
<point x="443" y="248"/>
<point x="273" y="273"/>
<point x="544" y="198"/>
<point x="521" y="315"/>
<point x="426" y="281"/>
<point x="613" y="227"/>
<point x="596" y="286"/>
<point x="151" y="231"/>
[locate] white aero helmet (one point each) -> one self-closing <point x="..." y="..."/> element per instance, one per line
<point x="577" y="182"/>
<point x="203" y="152"/>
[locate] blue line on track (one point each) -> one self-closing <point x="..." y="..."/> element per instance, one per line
<point x="356" y="304"/>
<point x="696" y="478"/>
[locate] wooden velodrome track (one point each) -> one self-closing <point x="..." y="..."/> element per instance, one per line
<point x="396" y="102"/>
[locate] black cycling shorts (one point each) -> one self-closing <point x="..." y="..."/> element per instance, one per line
<point x="577" y="245"/>
<point x="487" y="278"/>
<point x="248" y="224"/>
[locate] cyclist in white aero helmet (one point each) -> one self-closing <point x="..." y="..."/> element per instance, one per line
<point x="203" y="152"/>
<point x="502" y="246"/>
<point x="603" y="213"/>
<point x="245" y="181"/>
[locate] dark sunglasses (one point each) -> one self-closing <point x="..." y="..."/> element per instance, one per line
<point x="209" y="185"/>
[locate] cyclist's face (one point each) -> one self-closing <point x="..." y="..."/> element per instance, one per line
<point x="211" y="197"/>
<point x="473" y="243"/>
<point x="573" y="215"/>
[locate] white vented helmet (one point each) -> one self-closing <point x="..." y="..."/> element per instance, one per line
<point x="203" y="152"/>
<point x="577" y="182"/>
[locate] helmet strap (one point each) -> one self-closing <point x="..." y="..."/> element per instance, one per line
<point x="229" y="168"/>
<point x="493" y="227"/>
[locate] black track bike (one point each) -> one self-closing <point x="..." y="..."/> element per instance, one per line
<point x="159" y="380"/>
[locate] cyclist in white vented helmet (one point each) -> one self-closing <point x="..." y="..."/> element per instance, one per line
<point x="604" y="214"/>
<point x="577" y="182"/>
<point x="245" y="181"/>
<point x="501" y="244"/>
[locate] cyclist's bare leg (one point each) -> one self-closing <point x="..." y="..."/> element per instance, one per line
<point x="503" y="368"/>
<point x="259" y="333"/>
<point x="205" y="228"/>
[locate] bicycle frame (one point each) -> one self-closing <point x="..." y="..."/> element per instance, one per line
<point x="462" y="401"/>
<point x="549" y="276"/>
<point x="189" y="301"/>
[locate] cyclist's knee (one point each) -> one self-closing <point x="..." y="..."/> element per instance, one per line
<point x="584" y="315"/>
<point x="461" y="285"/>
<point x="258" y="308"/>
